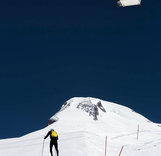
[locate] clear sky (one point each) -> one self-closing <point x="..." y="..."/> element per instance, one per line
<point x="53" y="50"/>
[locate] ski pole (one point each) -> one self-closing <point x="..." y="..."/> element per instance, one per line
<point x="42" y="147"/>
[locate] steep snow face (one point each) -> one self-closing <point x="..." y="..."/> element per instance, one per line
<point x="82" y="125"/>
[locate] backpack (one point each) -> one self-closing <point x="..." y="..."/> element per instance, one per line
<point x="54" y="134"/>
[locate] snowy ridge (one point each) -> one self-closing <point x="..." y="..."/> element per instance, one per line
<point x="98" y="108"/>
<point x="82" y="125"/>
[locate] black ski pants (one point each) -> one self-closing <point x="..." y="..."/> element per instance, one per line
<point x="55" y="143"/>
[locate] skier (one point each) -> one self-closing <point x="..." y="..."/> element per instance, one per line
<point x="53" y="141"/>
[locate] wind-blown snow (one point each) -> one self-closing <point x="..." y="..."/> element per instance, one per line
<point x="82" y="125"/>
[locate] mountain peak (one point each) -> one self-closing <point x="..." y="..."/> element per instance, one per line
<point x="96" y="109"/>
<point x="89" y="105"/>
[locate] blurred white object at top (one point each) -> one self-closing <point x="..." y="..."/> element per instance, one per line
<point x="125" y="3"/>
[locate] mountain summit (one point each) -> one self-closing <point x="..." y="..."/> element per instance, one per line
<point x="94" y="112"/>
<point x="89" y="105"/>
<point x="83" y="124"/>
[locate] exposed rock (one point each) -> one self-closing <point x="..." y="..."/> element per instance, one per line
<point x="99" y="105"/>
<point x="52" y="120"/>
<point x="91" y="108"/>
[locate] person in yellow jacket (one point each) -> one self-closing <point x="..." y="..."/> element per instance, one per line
<point x="53" y="141"/>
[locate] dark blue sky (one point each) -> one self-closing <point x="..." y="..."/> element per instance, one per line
<point x="52" y="50"/>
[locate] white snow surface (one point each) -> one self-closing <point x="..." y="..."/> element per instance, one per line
<point x="81" y="134"/>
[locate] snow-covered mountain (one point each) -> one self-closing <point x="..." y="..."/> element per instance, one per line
<point x="83" y="124"/>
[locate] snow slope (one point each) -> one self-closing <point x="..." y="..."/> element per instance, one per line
<point x="82" y="125"/>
